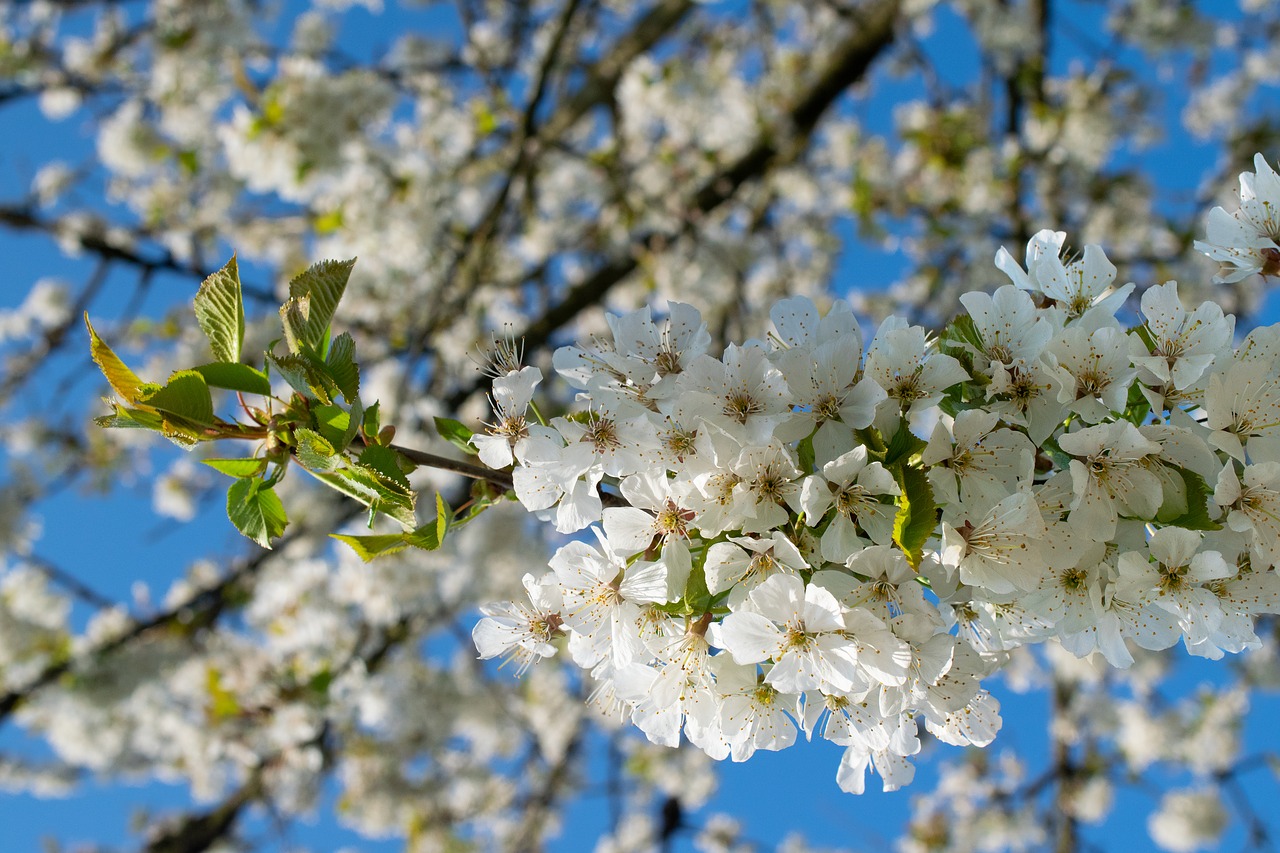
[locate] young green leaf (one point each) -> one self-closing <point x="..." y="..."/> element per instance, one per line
<point x="374" y="491"/>
<point x="456" y="434"/>
<point x="222" y="702"/>
<point x="315" y="452"/>
<point x="125" y="418"/>
<point x="322" y="287"/>
<point x="917" y="513"/>
<point x="235" y="377"/>
<point x="185" y="395"/>
<point x="342" y="366"/>
<point x="1196" y="516"/>
<point x="697" y="597"/>
<point x="334" y="423"/>
<point x="376" y="545"/>
<point x="294" y="316"/>
<point x="444" y="513"/>
<point x="903" y="445"/>
<point x="122" y="380"/>
<point x="238" y="468"/>
<point x="299" y="372"/>
<point x="256" y="510"/>
<point x="371" y="423"/>
<point x="384" y="461"/>
<point x="220" y="312"/>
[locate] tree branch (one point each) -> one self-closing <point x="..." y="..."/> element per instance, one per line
<point x="779" y="142"/>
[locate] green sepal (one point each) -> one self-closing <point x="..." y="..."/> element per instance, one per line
<point x="256" y="510"/>
<point x="315" y="452"/>
<point x="220" y="312"/>
<point x="1198" y="493"/>
<point x="186" y="396"/>
<point x="343" y="369"/>
<point x="456" y="434"/>
<point x="238" y="468"/>
<point x="235" y="377"/>
<point x="917" y="517"/>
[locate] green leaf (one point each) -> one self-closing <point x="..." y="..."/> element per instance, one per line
<point x="299" y="371"/>
<point x="220" y="312"/>
<point x="322" y="287"/>
<point x="342" y="366"/>
<point x="315" y="452"/>
<point x="256" y="511"/>
<point x="181" y="433"/>
<point x="917" y="513"/>
<point x="697" y="598"/>
<point x="371" y="423"/>
<point x="235" y="377"/>
<point x="374" y="491"/>
<point x="805" y="452"/>
<point x="294" y="316"/>
<point x="334" y="423"/>
<point x="962" y="330"/>
<point x="1198" y="493"/>
<point x="427" y="538"/>
<point x="384" y="461"/>
<point x="903" y="445"/>
<point x="456" y="434"/>
<point x="320" y="682"/>
<point x="185" y="395"/>
<point x="238" y="468"/>
<point x="444" y="513"/>
<point x="871" y="439"/>
<point x="125" y="418"/>
<point x="377" y="545"/>
<point x="122" y="380"/>
<point x="1137" y="406"/>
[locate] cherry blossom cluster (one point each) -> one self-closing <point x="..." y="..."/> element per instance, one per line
<point x="780" y="550"/>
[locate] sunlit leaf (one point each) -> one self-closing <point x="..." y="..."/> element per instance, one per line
<point x="220" y="312"/>
<point x="122" y="380"/>
<point x="256" y="510"/>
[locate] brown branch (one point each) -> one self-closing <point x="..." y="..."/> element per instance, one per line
<point x="201" y="609"/>
<point x="601" y="81"/>
<point x="21" y="369"/>
<point x="501" y="479"/>
<point x="777" y="143"/>
<point x="23" y="217"/>
<point x="69" y="582"/>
